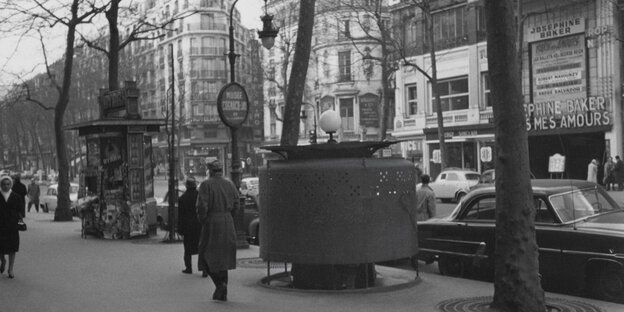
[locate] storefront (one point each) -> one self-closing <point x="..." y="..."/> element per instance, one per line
<point x="468" y="147"/>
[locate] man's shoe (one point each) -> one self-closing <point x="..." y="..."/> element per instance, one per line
<point x="220" y="293"/>
<point x="187" y="271"/>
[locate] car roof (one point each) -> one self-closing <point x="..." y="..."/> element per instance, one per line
<point x="546" y="186"/>
<point x="55" y="185"/>
<point x="458" y="170"/>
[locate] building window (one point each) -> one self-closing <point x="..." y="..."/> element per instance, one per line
<point x="207" y="21"/>
<point x="344" y="66"/>
<point x="197" y="111"/>
<point x="346" y="114"/>
<point x="450" y="28"/>
<point x="485" y="86"/>
<point x="453" y="93"/>
<point x="344" y="31"/>
<point x="412" y="100"/>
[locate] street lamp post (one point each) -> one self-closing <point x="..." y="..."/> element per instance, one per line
<point x="313" y="134"/>
<point x="267" y="35"/>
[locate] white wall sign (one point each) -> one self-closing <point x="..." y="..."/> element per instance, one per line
<point x="486" y="154"/>
<point x="436" y="157"/>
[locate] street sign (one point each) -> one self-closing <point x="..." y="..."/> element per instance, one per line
<point x="436" y="156"/>
<point x="486" y="154"/>
<point x="233" y="105"/>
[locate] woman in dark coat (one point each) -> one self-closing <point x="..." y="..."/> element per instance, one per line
<point x="218" y="198"/>
<point x="188" y="225"/>
<point x="11" y="205"/>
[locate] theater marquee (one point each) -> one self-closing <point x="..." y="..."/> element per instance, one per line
<point x="576" y="113"/>
<point x="558" y="60"/>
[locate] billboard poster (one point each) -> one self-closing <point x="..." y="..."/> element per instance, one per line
<point x="369" y="110"/>
<point x="558" y="68"/>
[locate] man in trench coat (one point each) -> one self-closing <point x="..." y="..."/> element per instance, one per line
<point x="217" y="200"/>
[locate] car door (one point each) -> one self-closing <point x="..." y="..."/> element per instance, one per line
<point x="548" y="232"/>
<point x="439" y="186"/>
<point x="464" y="245"/>
<point x="452" y="185"/>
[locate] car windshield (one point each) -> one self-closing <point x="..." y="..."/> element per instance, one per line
<point x="578" y="204"/>
<point x="473" y="176"/>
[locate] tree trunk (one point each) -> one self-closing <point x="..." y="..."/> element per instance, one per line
<point x="2" y="143"/>
<point x="385" y="101"/>
<point x="62" y="212"/>
<point x="434" y="83"/>
<point x="113" y="49"/>
<point x="516" y="284"/>
<point x="296" y="83"/>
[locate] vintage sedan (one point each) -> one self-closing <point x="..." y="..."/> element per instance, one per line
<point x="453" y="183"/>
<point x="580" y="234"/>
<point x="48" y="201"/>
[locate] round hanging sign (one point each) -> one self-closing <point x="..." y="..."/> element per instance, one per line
<point x="233" y="105"/>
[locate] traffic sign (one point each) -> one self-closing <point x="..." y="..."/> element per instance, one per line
<point x="233" y="105"/>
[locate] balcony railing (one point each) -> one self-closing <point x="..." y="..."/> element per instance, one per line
<point x="218" y="51"/>
<point x="206" y="26"/>
<point x="208" y="74"/>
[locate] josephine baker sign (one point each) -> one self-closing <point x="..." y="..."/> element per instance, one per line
<point x="567" y="114"/>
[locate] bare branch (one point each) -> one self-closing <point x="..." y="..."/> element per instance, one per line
<point x="30" y="99"/>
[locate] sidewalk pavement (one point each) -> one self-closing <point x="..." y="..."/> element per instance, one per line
<point x="57" y="270"/>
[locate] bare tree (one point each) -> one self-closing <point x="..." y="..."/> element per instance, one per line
<point x="374" y="31"/>
<point x="298" y="74"/>
<point x="38" y="14"/>
<point x="516" y="284"/>
<point x="403" y="51"/>
<point x="138" y="27"/>
<point x="286" y="44"/>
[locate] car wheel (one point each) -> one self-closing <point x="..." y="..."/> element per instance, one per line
<point x="607" y="283"/>
<point x="451" y="265"/>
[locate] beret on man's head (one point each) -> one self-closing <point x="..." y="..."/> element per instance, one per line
<point x="191" y="182"/>
<point x="215" y="166"/>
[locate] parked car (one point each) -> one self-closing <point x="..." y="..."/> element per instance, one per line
<point x="48" y="201"/>
<point x="250" y="186"/>
<point x="580" y="235"/>
<point x="454" y="183"/>
<point x="251" y="219"/>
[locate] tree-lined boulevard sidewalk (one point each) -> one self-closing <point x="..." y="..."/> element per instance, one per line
<point x="57" y="270"/>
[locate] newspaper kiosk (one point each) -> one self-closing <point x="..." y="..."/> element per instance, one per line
<point x="117" y="183"/>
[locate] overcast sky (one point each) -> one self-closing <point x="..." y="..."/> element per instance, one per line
<point x="23" y="56"/>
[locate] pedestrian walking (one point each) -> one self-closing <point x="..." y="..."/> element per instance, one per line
<point x="592" y="171"/>
<point x="619" y="172"/>
<point x="425" y="200"/>
<point x="11" y="206"/>
<point x="188" y="225"/>
<point x="20" y="189"/>
<point x="609" y="173"/>
<point x="216" y="201"/>
<point x="33" y="195"/>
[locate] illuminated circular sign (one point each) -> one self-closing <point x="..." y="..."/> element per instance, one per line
<point x="233" y="105"/>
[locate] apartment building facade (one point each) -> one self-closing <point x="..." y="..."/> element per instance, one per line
<point x="571" y="81"/>
<point x="198" y="40"/>
<point x="340" y="77"/>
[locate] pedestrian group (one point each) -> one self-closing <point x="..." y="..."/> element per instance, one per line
<point x="207" y="225"/>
